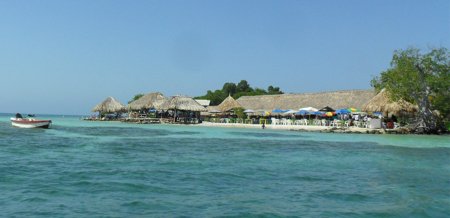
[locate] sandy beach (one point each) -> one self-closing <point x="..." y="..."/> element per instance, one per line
<point x="306" y="128"/>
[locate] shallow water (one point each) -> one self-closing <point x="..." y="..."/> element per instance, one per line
<point x="98" y="169"/>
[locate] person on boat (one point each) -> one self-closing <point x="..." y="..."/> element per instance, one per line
<point x="18" y="115"/>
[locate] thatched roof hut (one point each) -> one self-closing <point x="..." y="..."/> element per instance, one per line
<point x="228" y="104"/>
<point x="182" y="103"/>
<point x="337" y="99"/>
<point x="109" y="105"/>
<point x="382" y="103"/>
<point x="203" y="102"/>
<point x="211" y="110"/>
<point x="148" y="101"/>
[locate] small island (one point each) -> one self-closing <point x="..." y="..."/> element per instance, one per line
<point x="411" y="96"/>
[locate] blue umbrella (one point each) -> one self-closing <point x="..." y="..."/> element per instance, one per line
<point x="279" y="111"/>
<point x="302" y="112"/>
<point x="343" y="111"/>
<point x="317" y="113"/>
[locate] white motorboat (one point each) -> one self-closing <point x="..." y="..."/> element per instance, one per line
<point x="30" y="123"/>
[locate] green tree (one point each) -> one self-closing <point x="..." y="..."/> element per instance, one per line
<point x="422" y="79"/>
<point x="229" y="88"/>
<point x="136" y="97"/>
<point x="243" y="86"/>
<point x="215" y="97"/>
<point x="274" y="90"/>
<point x="258" y="91"/>
<point x="240" y="113"/>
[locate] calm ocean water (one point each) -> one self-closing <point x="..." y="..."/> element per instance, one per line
<point x="99" y="169"/>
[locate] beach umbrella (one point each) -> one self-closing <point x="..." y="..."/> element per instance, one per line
<point x="309" y="109"/>
<point x="279" y="111"/>
<point x="302" y="112"/>
<point x="342" y="111"/>
<point x="377" y="113"/>
<point x="249" y="111"/>
<point x="319" y="113"/>
<point x="260" y="112"/>
<point x="351" y="109"/>
<point x="327" y="109"/>
<point x="330" y="114"/>
<point x="289" y="112"/>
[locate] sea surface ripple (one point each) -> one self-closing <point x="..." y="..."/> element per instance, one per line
<point x="109" y="169"/>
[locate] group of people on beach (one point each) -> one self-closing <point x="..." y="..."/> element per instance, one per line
<point x="355" y="119"/>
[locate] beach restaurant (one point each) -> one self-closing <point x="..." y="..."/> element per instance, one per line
<point x="288" y="107"/>
<point x="338" y="109"/>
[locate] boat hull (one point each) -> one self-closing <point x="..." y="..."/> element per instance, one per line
<point x="30" y="123"/>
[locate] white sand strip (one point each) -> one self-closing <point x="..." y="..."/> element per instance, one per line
<point x="289" y="127"/>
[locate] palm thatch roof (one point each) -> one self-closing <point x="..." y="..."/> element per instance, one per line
<point x="183" y="103"/>
<point x="382" y="103"/>
<point x="211" y="110"/>
<point x="203" y="102"/>
<point x="109" y="105"/>
<point x="228" y="104"/>
<point x="148" y="101"/>
<point x="336" y="99"/>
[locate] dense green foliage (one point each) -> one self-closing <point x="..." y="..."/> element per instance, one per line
<point x="136" y="97"/>
<point x="237" y="90"/>
<point x="422" y="79"/>
<point x="240" y="113"/>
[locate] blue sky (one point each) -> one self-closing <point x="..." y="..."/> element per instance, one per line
<point x="63" y="57"/>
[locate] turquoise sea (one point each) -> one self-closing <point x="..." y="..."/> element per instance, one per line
<point x="111" y="169"/>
